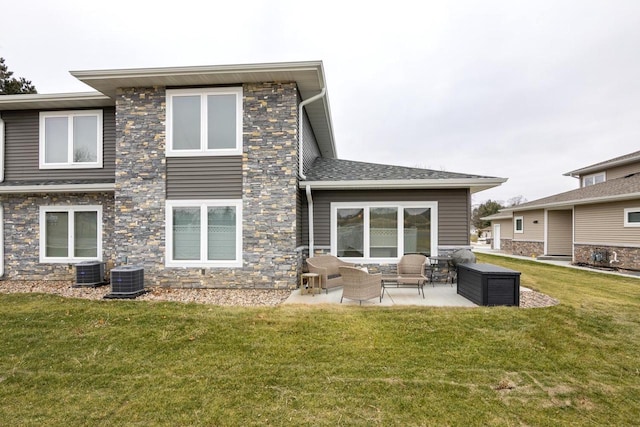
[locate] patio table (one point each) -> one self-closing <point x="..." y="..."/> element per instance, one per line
<point x="394" y="279"/>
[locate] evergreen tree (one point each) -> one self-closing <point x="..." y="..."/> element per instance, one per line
<point x="10" y="85"/>
<point x="489" y="207"/>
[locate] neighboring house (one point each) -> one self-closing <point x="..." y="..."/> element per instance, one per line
<point x="207" y="176"/>
<point x="597" y="224"/>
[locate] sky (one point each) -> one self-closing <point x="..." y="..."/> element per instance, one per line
<point x="524" y="90"/>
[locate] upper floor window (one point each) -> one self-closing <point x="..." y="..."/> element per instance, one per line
<point x="518" y="224"/>
<point x="632" y="217"/>
<point x="204" y="122"/>
<point x="71" y="139"/>
<point x="596" y="178"/>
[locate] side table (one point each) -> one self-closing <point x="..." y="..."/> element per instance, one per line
<point x="309" y="282"/>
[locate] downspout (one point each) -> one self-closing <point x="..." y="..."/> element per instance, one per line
<point x="322" y="93"/>
<point x="310" y="206"/>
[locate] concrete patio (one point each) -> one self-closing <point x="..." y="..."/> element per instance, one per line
<point x="440" y="295"/>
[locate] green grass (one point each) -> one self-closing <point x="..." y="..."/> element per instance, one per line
<point x="80" y="362"/>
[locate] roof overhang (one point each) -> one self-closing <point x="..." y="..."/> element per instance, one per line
<point x="309" y="77"/>
<point x="475" y="185"/>
<point x="55" y="101"/>
<point x="602" y="166"/>
<point x="58" y="188"/>
<point x="498" y="216"/>
<point x="571" y="203"/>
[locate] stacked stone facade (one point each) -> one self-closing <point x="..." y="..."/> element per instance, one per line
<point x="616" y="256"/>
<point x="269" y="174"/>
<point x="22" y="234"/>
<point x="523" y="248"/>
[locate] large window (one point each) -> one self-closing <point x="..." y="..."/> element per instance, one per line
<point x="71" y="139"/>
<point x="204" y="121"/>
<point x="204" y="233"/>
<point x="70" y="233"/>
<point x="383" y="230"/>
<point x="632" y="217"/>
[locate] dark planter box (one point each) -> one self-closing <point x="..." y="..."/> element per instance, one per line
<point x="486" y="284"/>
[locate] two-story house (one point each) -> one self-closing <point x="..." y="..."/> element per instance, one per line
<point x="216" y="176"/>
<point x="597" y="224"/>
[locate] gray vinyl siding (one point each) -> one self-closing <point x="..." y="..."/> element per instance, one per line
<point x="194" y="178"/>
<point x="22" y="150"/>
<point x="311" y="150"/>
<point x="559" y="232"/>
<point x="506" y="228"/>
<point x="453" y="211"/>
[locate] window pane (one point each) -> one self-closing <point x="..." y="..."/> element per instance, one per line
<point x="86" y="234"/>
<point x="350" y="232"/>
<point x="221" y="119"/>
<point x="85" y="139"/>
<point x="186" y="122"/>
<point x="221" y="234"/>
<point x="417" y="231"/>
<point x="383" y="232"/>
<point x="634" y="217"/>
<point x="57" y="234"/>
<point x="186" y="233"/>
<point x="518" y="224"/>
<point x="56" y="139"/>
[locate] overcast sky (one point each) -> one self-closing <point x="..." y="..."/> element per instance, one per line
<point x="525" y="90"/>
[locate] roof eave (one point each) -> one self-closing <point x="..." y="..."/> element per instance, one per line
<point x="600" y="167"/>
<point x="55" y="100"/>
<point x="58" y="188"/>
<point x="308" y="75"/>
<point x="577" y="202"/>
<point x="475" y="185"/>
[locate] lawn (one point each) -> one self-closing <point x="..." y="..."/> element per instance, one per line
<point x="80" y="362"/>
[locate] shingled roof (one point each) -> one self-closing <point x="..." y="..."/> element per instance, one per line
<point x="341" y="174"/>
<point x="624" y="188"/>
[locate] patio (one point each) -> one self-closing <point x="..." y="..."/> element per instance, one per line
<point x="440" y="295"/>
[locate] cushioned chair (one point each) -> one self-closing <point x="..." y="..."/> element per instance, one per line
<point x="327" y="267"/>
<point x="412" y="271"/>
<point x="359" y="285"/>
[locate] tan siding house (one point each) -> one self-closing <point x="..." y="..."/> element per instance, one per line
<point x="596" y="224"/>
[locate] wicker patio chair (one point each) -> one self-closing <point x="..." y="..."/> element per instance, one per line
<point x="327" y="267"/>
<point x="360" y="285"/>
<point x="412" y="271"/>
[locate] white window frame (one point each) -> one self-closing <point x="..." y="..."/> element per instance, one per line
<point x="203" y="150"/>
<point x="593" y="178"/>
<point x="366" y="206"/>
<point x="627" y="211"/>
<point x="69" y="115"/>
<point x="515" y="224"/>
<point x="203" y="205"/>
<point x="69" y="209"/>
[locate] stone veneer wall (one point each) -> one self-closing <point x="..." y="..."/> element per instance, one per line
<point x="269" y="171"/>
<point x="506" y="245"/>
<point x="527" y="248"/>
<point x="22" y="234"/>
<point x="628" y="258"/>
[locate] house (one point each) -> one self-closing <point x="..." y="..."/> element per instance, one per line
<point x="215" y="176"/>
<point x="597" y="223"/>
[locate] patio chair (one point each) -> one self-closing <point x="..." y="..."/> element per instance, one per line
<point x="327" y="267"/>
<point x="412" y="271"/>
<point x="360" y="285"/>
